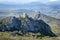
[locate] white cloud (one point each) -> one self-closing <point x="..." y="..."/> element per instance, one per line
<point x="25" y="1"/>
<point x="53" y="0"/>
<point x="46" y="1"/>
<point x="17" y="1"/>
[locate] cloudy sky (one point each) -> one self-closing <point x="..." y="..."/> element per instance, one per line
<point x="25" y="1"/>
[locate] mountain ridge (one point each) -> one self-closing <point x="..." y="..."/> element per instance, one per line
<point x="26" y="24"/>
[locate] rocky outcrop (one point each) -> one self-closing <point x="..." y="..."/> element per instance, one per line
<point x="13" y="24"/>
<point x="27" y="24"/>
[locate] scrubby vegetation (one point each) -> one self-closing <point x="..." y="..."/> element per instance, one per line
<point x="8" y="36"/>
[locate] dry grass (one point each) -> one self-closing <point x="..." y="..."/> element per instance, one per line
<point x="8" y="36"/>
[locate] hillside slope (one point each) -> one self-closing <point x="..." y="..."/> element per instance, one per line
<point x="53" y="22"/>
<point x="26" y="24"/>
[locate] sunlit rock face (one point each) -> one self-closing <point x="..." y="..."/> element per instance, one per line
<point x="24" y="15"/>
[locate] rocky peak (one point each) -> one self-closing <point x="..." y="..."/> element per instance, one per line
<point x="36" y="15"/>
<point x="24" y="15"/>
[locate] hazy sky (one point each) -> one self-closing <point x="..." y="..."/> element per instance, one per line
<point x="25" y="1"/>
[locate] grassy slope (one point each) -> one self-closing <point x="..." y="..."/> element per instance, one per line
<point x="8" y="36"/>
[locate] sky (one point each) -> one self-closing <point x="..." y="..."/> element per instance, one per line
<point x="25" y="1"/>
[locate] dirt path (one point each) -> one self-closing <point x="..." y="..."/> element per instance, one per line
<point x="58" y="37"/>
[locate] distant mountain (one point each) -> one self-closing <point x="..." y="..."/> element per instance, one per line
<point x="50" y="9"/>
<point x="55" y="10"/>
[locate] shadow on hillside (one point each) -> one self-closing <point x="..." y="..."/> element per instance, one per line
<point x="45" y="29"/>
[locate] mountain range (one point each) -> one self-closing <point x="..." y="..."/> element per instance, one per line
<point x="50" y="9"/>
<point x="24" y="23"/>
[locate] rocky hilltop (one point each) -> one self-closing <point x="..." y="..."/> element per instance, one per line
<point x="25" y="24"/>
